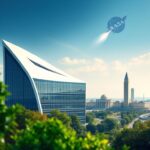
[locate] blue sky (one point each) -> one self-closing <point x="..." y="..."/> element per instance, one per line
<point x="60" y="29"/>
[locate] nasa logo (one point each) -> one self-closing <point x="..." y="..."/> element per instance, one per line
<point x="116" y="24"/>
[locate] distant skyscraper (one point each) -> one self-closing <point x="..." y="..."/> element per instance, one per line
<point x="132" y="95"/>
<point x="126" y="90"/>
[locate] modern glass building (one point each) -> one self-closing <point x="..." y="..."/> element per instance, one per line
<point x="39" y="86"/>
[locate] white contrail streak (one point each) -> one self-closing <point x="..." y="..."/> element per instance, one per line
<point x="103" y="37"/>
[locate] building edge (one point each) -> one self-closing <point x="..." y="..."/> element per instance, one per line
<point x="29" y="77"/>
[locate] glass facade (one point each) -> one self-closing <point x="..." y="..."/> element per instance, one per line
<point x="18" y="84"/>
<point x="64" y="96"/>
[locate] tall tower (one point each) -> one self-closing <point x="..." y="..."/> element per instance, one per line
<point x="126" y="90"/>
<point x="132" y="95"/>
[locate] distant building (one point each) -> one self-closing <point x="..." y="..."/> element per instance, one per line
<point x="140" y="105"/>
<point x="91" y="105"/>
<point x="126" y="90"/>
<point x="147" y="105"/>
<point x="103" y="103"/>
<point x="132" y="95"/>
<point x="117" y="104"/>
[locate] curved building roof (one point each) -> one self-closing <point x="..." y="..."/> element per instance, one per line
<point x="36" y="67"/>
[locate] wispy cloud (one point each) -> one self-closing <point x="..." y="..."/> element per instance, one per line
<point x="85" y="65"/>
<point x="63" y="44"/>
<point x="136" y="63"/>
<point x="67" y="45"/>
<point x="73" y="61"/>
<point x="107" y="77"/>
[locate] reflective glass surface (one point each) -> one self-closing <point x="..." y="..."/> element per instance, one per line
<point x="64" y="96"/>
<point x="18" y="84"/>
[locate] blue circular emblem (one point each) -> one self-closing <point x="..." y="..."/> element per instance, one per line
<point x="116" y="24"/>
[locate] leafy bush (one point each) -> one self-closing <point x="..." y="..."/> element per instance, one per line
<point x="51" y="134"/>
<point x="136" y="138"/>
<point x="21" y="129"/>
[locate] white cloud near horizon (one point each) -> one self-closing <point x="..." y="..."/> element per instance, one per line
<point x="85" y="65"/>
<point x="107" y="77"/>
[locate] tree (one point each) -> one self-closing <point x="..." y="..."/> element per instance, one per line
<point x="91" y="142"/>
<point x="141" y="125"/>
<point x="3" y="107"/>
<point x="31" y="130"/>
<point x="23" y="115"/>
<point x="4" y="116"/>
<point x="92" y="128"/>
<point x="77" y="126"/>
<point x="7" y="119"/>
<point x="14" y="118"/>
<point x="102" y="114"/>
<point x="100" y="127"/>
<point x="110" y="124"/>
<point x="90" y="117"/>
<point x="138" y="125"/>
<point x="34" y="116"/>
<point x="136" y="138"/>
<point x="123" y="122"/>
<point x="61" y="116"/>
<point x="52" y="134"/>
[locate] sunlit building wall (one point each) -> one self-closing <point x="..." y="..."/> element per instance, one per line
<point x="39" y="86"/>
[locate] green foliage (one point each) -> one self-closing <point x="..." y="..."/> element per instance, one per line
<point x="90" y="117"/>
<point x="140" y="125"/>
<point x="102" y="114"/>
<point x="22" y="129"/>
<point x="127" y="117"/>
<point x="136" y="138"/>
<point x="51" y="134"/>
<point x="5" y="118"/>
<point x="61" y="116"/>
<point x="3" y="108"/>
<point x="70" y="122"/>
<point x="123" y="122"/>
<point x="91" y="128"/>
<point x="33" y="116"/>
<point x="108" y="124"/>
<point x="125" y="147"/>
<point x="97" y="114"/>
<point x="20" y="117"/>
<point x="105" y="126"/>
<point x="12" y="119"/>
<point x="77" y="126"/>
<point x="91" y="142"/>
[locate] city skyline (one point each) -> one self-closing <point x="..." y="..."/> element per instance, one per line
<point x="64" y="34"/>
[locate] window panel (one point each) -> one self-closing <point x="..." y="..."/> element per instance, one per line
<point x="65" y="96"/>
